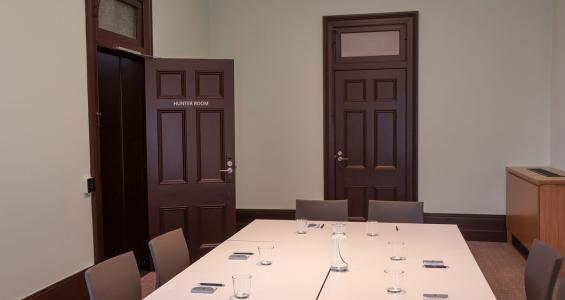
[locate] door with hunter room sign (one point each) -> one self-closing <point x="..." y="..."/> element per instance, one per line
<point x="190" y="150"/>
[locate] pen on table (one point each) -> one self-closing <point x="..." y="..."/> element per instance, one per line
<point x="243" y="253"/>
<point x="396" y="227"/>
<point x="322" y="226"/>
<point x="210" y="284"/>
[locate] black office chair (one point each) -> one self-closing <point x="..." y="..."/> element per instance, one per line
<point x="322" y="210"/>
<point x="396" y="211"/>
<point x="542" y="267"/>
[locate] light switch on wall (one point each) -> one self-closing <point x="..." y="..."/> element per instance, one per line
<point x="89" y="185"/>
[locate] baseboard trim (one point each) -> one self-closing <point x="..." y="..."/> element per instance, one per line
<point x="70" y="288"/>
<point x="246" y="216"/>
<point x="474" y="227"/>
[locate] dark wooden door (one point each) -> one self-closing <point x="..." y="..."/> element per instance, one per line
<point x="190" y="150"/>
<point x="370" y="109"/>
<point x="122" y="152"/>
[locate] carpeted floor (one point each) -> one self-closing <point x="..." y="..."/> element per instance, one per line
<point x="501" y="264"/>
<point x="503" y="268"/>
<point x="147" y="284"/>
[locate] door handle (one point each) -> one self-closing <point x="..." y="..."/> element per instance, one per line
<point x="228" y="170"/>
<point x="340" y="157"/>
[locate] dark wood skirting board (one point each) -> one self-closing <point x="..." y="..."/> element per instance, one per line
<point x="70" y="288"/>
<point x="490" y="228"/>
<point x="246" y="216"/>
<point x="474" y="227"/>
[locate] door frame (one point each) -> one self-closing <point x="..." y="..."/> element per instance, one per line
<point x="329" y="110"/>
<point x="108" y="42"/>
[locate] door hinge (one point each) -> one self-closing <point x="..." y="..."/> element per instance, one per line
<point x="98" y="119"/>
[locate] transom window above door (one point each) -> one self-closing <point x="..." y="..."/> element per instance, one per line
<point x="118" y="17"/>
<point x="124" y="23"/>
<point x="370" y="43"/>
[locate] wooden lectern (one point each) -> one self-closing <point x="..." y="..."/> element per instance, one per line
<point x="535" y="206"/>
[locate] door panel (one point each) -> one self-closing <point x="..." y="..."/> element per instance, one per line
<point x="190" y="143"/>
<point x="371" y="134"/>
<point x="370" y="98"/>
<point x="123" y="156"/>
<point x="172" y="146"/>
<point x="386" y="133"/>
<point x="355" y="132"/>
<point x="211" y="154"/>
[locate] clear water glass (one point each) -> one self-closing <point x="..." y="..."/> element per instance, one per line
<point x="396" y="249"/>
<point x="241" y="286"/>
<point x="301" y="225"/>
<point x="372" y="228"/>
<point x="394" y="278"/>
<point x="266" y="254"/>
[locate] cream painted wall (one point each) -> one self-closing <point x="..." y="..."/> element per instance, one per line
<point x="485" y="73"/>
<point x="180" y="28"/>
<point x="484" y="103"/>
<point x="558" y="87"/>
<point x="45" y="219"/>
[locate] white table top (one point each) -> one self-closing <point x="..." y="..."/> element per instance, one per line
<point x="301" y="263"/>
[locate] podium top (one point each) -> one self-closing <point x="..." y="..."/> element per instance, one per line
<point x="538" y="178"/>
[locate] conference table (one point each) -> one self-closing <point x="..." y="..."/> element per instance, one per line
<point x="301" y="264"/>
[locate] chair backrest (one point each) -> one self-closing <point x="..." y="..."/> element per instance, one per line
<point x="396" y="211"/>
<point x="542" y="267"/>
<point x="170" y="255"/>
<point x="561" y="290"/>
<point x="114" y="279"/>
<point x="322" y="210"/>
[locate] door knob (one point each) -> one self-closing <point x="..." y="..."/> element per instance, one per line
<point x="340" y="157"/>
<point x="228" y="170"/>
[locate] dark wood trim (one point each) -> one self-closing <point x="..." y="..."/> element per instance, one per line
<point x="92" y="45"/>
<point x="246" y="216"/>
<point x="144" y="38"/>
<point x="94" y="133"/>
<point x="474" y="227"/>
<point x="519" y="247"/>
<point x="329" y="138"/>
<point x="70" y="288"/>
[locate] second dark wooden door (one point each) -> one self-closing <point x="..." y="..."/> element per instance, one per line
<point x="370" y="109"/>
<point x="370" y="137"/>
<point x="190" y="150"/>
<point x="122" y="149"/>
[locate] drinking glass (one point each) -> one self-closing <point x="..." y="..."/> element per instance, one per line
<point x="241" y="286"/>
<point x="265" y="254"/>
<point x="394" y="278"/>
<point x="372" y="228"/>
<point x="396" y="250"/>
<point x="301" y="225"/>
